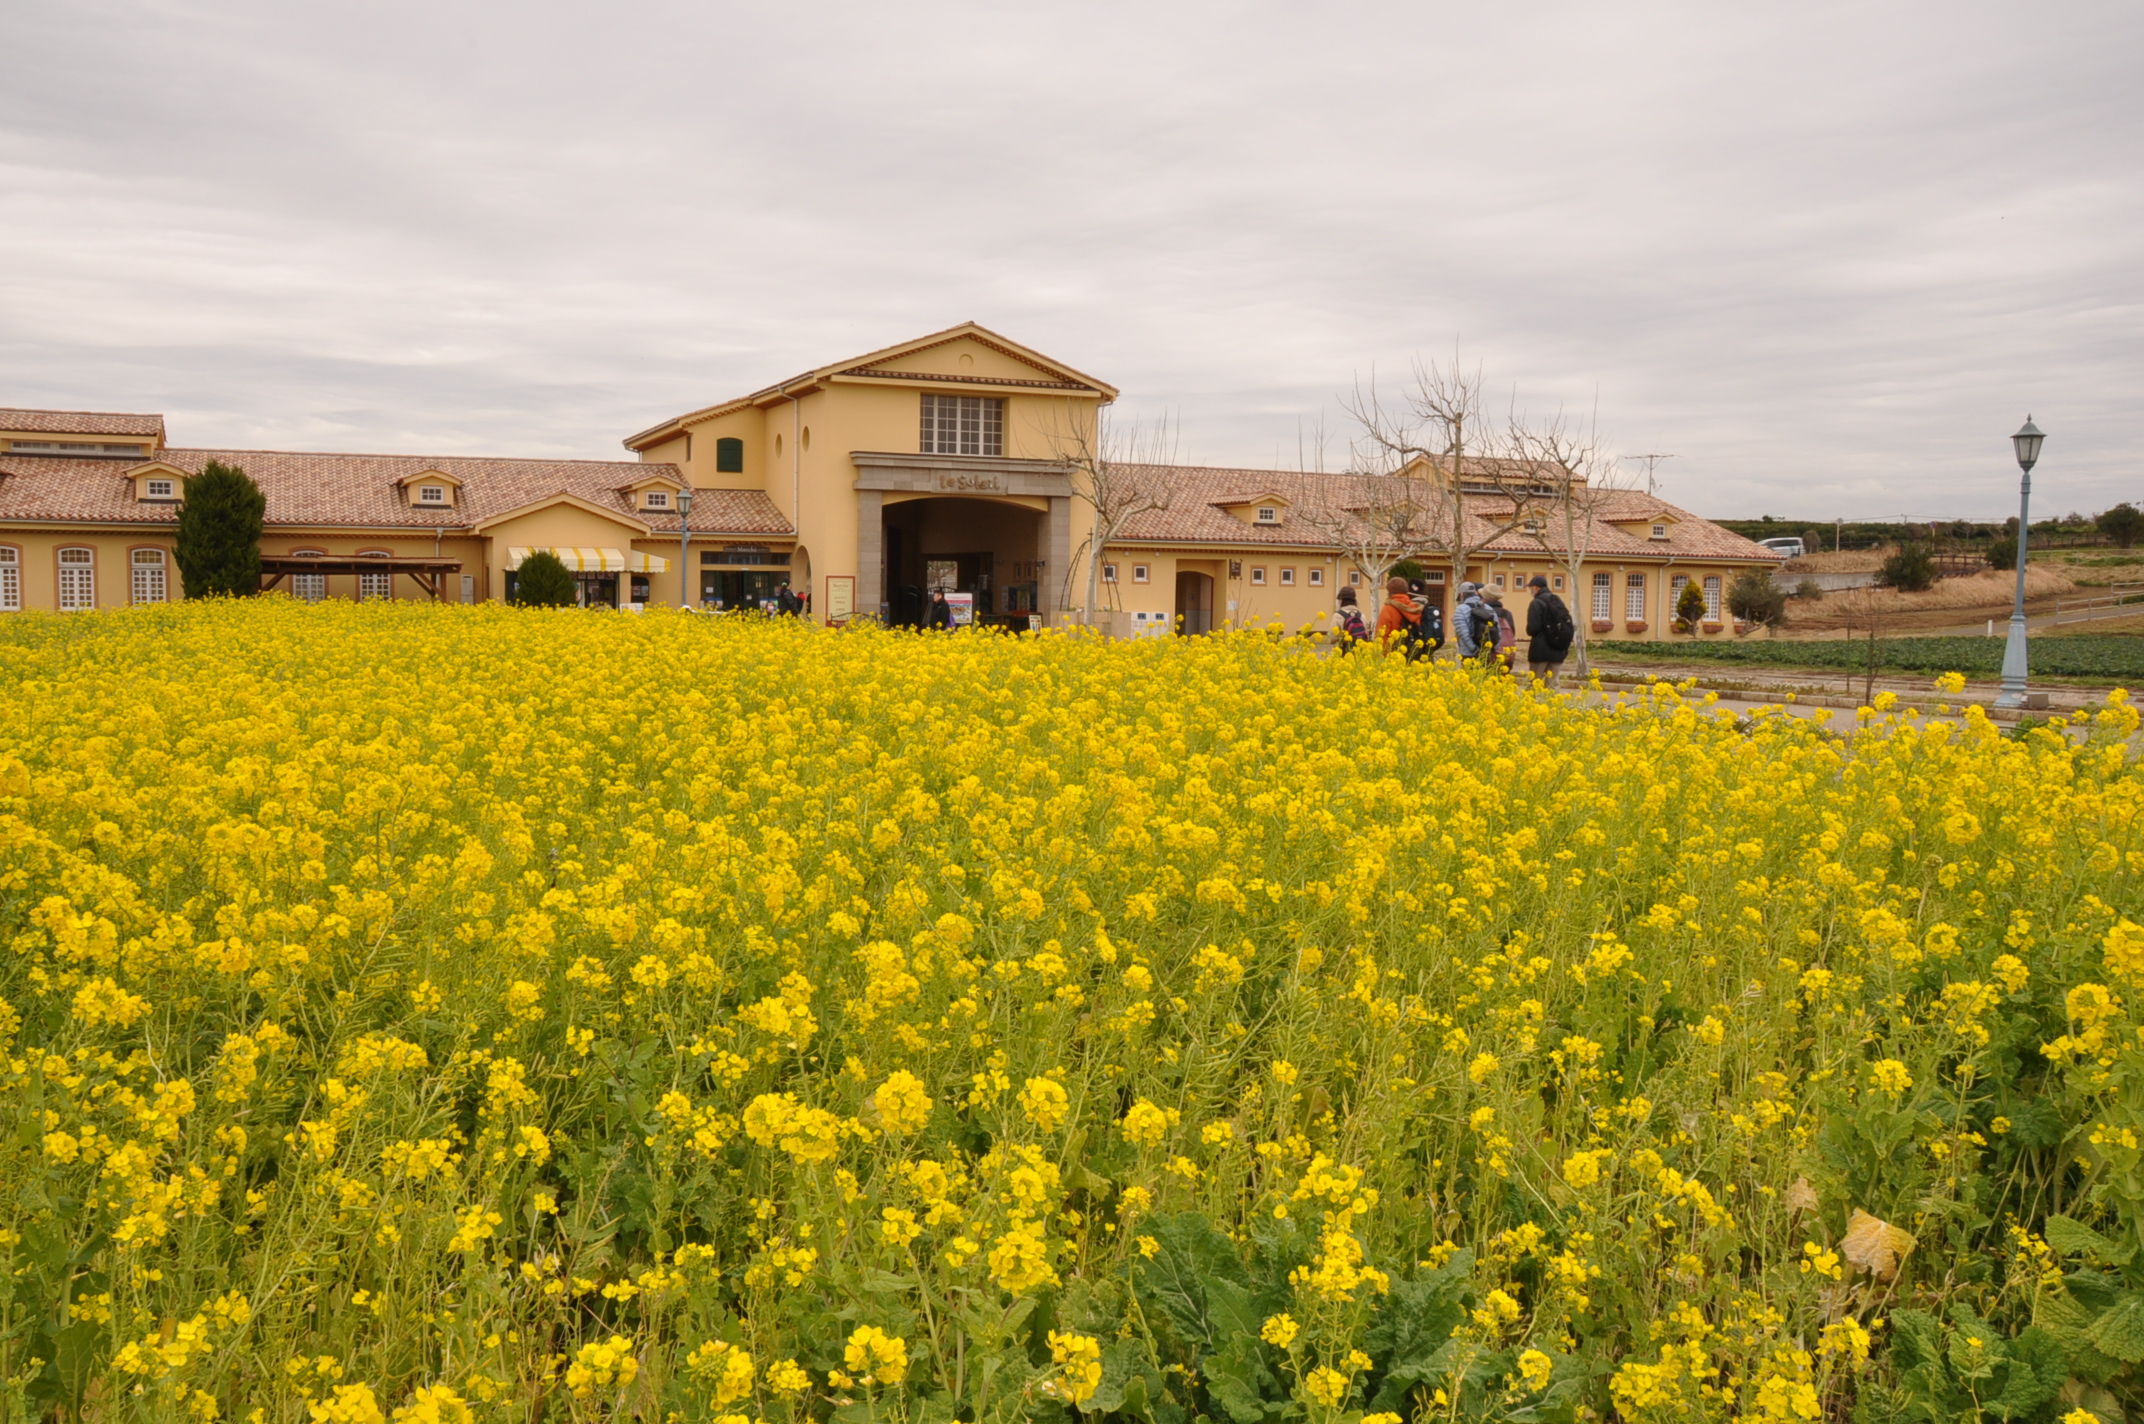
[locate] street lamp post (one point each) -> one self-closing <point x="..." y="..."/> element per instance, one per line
<point x="684" y="547"/>
<point x="2027" y="443"/>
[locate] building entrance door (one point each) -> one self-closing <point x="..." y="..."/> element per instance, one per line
<point x="597" y="590"/>
<point x="1194" y="603"/>
<point x="733" y="589"/>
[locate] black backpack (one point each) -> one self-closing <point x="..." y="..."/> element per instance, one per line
<point x="1558" y="625"/>
<point x="1425" y="634"/>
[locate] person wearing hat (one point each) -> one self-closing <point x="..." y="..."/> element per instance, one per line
<point x="1549" y="631"/>
<point x="1474" y="622"/>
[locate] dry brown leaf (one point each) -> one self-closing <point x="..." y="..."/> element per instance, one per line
<point x="1874" y="1245"/>
<point x="1801" y="1196"/>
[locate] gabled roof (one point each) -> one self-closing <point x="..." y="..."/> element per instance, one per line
<point x="552" y="501"/>
<point x="1245" y="501"/>
<point x="430" y="475"/>
<point x="1201" y="494"/>
<point x="80" y="422"/>
<point x="363" y="491"/>
<point x="1049" y="375"/>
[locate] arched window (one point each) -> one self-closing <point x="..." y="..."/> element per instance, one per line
<point x="151" y="584"/>
<point x="729" y="456"/>
<point x="374" y="588"/>
<point x="78" y="580"/>
<point x="10" y="579"/>
<point x="309" y="588"/>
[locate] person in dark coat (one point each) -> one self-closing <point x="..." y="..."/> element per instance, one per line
<point x="941" y="612"/>
<point x="1549" y="630"/>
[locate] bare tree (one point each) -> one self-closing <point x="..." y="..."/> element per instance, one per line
<point x="1119" y="470"/>
<point x="1560" y="481"/>
<point x="1430" y="438"/>
<point x="1372" y="520"/>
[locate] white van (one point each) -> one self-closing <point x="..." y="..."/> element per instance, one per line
<point x="1785" y="548"/>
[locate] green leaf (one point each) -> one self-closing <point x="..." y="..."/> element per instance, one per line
<point x="2073" y="1238"/>
<point x="2037" y="1369"/>
<point x="1238" y="1380"/>
<point x="2120" y="1331"/>
<point x="1190" y="1254"/>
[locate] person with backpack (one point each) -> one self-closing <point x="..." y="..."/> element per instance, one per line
<point x="1428" y="629"/>
<point x="1399" y="619"/>
<point x="1474" y="624"/>
<point x="1507" y="631"/>
<point x="1549" y="631"/>
<point x="1352" y="629"/>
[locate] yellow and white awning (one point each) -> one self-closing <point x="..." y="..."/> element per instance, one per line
<point x="595" y="561"/>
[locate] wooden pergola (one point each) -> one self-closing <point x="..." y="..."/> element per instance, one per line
<point x="430" y="574"/>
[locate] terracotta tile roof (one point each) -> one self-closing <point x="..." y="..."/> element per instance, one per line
<point x="308" y="489"/>
<point x="1194" y="516"/>
<point x="80" y="422"/>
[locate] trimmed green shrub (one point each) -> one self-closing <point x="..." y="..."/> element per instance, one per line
<point x="1690" y="608"/>
<point x="219" y="540"/>
<point x="544" y="581"/>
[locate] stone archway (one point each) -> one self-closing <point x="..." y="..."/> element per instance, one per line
<point x="1025" y="495"/>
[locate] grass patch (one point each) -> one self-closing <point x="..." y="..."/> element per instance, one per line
<point x="2093" y="655"/>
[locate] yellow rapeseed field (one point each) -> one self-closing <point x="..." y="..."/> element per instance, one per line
<point x="449" y="1014"/>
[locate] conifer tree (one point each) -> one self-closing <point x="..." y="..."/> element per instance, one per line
<point x="219" y="540"/>
<point x="543" y="581"/>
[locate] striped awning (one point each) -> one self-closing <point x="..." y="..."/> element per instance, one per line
<point x="595" y="561"/>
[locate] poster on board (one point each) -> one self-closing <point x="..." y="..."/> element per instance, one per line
<point x="840" y="598"/>
<point x="963" y="606"/>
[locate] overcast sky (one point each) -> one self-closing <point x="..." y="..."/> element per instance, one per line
<point x="1827" y="255"/>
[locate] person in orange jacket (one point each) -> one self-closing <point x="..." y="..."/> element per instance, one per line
<point x="1399" y="617"/>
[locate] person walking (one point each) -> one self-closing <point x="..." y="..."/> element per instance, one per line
<point x="1352" y="629"/>
<point x="1507" y="630"/>
<point x="1549" y="631"/>
<point x="1474" y="623"/>
<point x="1400" y="616"/>
<point x="1429" y="623"/>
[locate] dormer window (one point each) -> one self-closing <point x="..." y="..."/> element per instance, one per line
<point x="157" y="489"/>
<point x="1660" y="531"/>
<point x="658" y="499"/>
<point x="1267" y="514"/>
<point x="431" y="494"/>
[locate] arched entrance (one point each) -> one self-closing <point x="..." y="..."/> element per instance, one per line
<point x="988" y="550"/>
<point x="1194" y="603"/>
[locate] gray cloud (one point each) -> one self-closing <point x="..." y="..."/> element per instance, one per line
<point x="1828" y="254"/>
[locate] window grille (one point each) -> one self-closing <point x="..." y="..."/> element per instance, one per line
<point x="963" y="425"/>
<point x="1634" y="597"/>
<point x="1712" y="597"/>
<point x="149" y="579"/>
<point x="78" y="580"/>
<point x="658" y="499"/>
<point x="159" y="489"/>
<point x="1602" y="584"/>
<point x="10" y="580"/>
<point x="431" y="494"/>
<point x="374" y="588"/>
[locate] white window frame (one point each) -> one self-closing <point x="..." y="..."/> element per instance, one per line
<point x="1317" y="578"/>
<point x="1267" y="514"/>
<point x="658" y="499"/>
<point x="1141" y="573"/>
<point x="375" y="588"/>
<point x="1432" y="576"/>
<point x="1287" y="576"/>
<point x="309" y="588"/>
<point x="10" y="579"/>
<point x="432" y="494"/>
<point x="1713" y="584"/>
<point x="1558" y="579"/>
<point x="1634" y="597"/>
<point x="77" y="580"/>
<point x="1603" y="596"/>
<point x="1354" y="578"/>
<point x="150" y="577"/>
<point x="1660" y="531"/>
<point x="1109" y="573"/>
<point x="1258" y="575"/>
<point x="156" y="489"/>
<point x="962" y="425"/>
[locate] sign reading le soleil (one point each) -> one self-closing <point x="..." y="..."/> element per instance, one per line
<point x="966" y="482"/>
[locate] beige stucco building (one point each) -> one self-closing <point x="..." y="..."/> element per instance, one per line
<point x="960" y="461"/>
